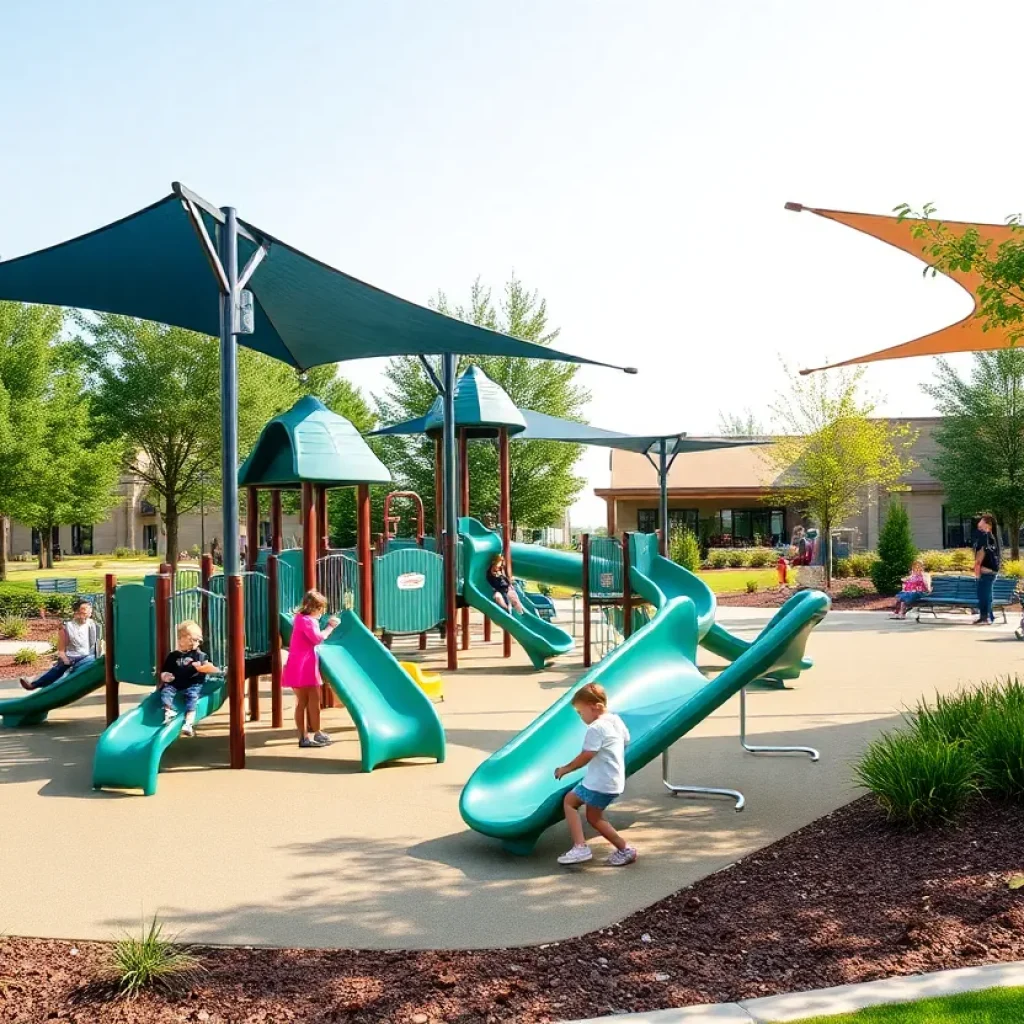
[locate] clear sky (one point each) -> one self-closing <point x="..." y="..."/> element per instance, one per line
<point x="630" y="160"/>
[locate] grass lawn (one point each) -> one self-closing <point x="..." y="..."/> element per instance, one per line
<point x="994" y="1006"/>
<point x="89" y="570"/>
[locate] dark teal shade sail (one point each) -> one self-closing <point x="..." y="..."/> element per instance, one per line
<point x="152" y="265"/>
<point x="311" y="444"/>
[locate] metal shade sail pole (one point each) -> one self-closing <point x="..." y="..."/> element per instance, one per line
<point x="663" y="468"/>
<point x="451" y="504"/>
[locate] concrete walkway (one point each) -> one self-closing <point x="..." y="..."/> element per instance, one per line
<point x="303" y="849"/>
<point x="829" y="1002"/>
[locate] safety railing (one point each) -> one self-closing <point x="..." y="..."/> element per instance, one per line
<point x="337" y="578"/>
<point x="188" y="605"/>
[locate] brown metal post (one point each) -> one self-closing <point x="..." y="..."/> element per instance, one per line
<point x="162" y="597"/>
<point x="586" y="600"/>
<point x="205" y="575"/>
<point x="365" y="554"/>
<point x="309" y="549"/>
<point x="610" y="502"/>
<point x="252" y="545"/>
<point x="627" y="591"/>
<point x="505" y="515"/>
<point x="323" y="540"/>
<point x="464" y="511"/>
<point x="276" y="522"/>
<point x="236" y="672"/>
<point x="274" y="610"/>
<point x="110" y="650"/>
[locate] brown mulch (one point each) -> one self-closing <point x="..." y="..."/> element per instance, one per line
<point x="38" y="629"/>
<point x="777" y="596"/>
<point x="845" y="899"/>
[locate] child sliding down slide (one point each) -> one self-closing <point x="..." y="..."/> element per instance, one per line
<point x="504" y="593"/>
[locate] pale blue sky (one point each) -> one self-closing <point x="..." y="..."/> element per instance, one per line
<point x="630" y="160"/>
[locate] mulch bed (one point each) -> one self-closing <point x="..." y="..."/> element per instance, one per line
<point x="845" y="899"/>
<point x="776" y="597"/>
<point x="38" y="629"/>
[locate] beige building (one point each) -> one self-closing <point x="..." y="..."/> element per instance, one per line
<point x="725" y="491"/>
<point x="136" y="524"/>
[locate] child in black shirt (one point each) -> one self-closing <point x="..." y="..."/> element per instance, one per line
<point x="504" y="592"/>
<point x="182" y="672"/>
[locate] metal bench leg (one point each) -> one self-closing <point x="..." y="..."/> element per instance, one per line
<point x="754" y="749"/>
<point x="732" y="794"/>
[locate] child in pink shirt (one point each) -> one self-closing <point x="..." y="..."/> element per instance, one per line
<point x="302" y="670"/>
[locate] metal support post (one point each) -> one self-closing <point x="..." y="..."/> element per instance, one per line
<point x="756" y="749"/>
<point x="451" y="504"/>
<point x="732" y="794"/>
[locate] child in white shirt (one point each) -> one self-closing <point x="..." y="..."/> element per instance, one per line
<point x="604" y="755"/>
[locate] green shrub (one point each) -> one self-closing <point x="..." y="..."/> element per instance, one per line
<point x="842" y="569"/>
<point x="759" y="558"/>
<point x="961" y="559"/>
<point x="896" y="551"/>
<point x="1014" y="568"/>
<point x="718" y="558"/>
<point x="25" y="656"/>
<point x="58" y="604"/>
<point x="196" y="551"/>
<point x="152" y="961"/>
<point x="998" y="745"/>
<point x="953" y="717"/>
<point x="13" y="627"/>
<point x="918" y="780"/>
<point x="861" y="563"/>
<point x="737" y="558"/>
<point x="16" y="599"/>
<point x="752" y="586"/>
<point x="936" y="561"/>
<point x="545" y="589"/>
<point x="685" y="550"/>
<point x="853" y="590"/>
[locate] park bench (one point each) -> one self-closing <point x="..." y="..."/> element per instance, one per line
<point x="962" y="592"/>
<point x="57" y="586"/>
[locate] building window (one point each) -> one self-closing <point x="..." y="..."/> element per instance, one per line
<point x="149" y="538"/>
<point x="266" y="534"/>
<point x="81" y="539"/>
<point x="958" y="531"/>
<point x="54" y="541"/>
<point x="749" y="526"/>
<point x="647" y="520"/>
<point x="678" y="519"/>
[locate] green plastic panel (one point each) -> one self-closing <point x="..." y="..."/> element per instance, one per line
<point x="135" y="634"/>
<point x="408" y="590"/>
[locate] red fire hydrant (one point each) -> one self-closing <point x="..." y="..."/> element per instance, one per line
<point x="782" y="567"/>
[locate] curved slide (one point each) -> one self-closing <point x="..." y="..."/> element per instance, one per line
<point x="652" y="681"/>
<point x="33" y="708"/>
<point x="541" y="640"/>
<point x="129" y="751"/>
<point x="393" y="716"/>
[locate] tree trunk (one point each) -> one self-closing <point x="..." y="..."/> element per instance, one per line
<point x="171" y="526"/>
<point x="46" y="548"/>
<point x="4" y="540"/>
<point x="826" y="538"/>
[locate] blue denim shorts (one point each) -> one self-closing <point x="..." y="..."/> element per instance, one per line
<point x="594" y="799"/>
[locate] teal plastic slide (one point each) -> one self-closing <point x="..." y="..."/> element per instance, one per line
<point x="33" y="708"/>
<point x="541" y="640"/>
<point x="393" y="716"/>
<point x="129" y="750"/>
<point x="654" y="684"/>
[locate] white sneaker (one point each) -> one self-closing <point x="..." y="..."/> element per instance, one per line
<point x="189" y="728"/>
<point x="168" y="716"/>
<point x="577" y="855"/>
<point x="620" y="858"/>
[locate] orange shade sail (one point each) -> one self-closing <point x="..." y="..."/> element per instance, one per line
<point x="965" y="335"/>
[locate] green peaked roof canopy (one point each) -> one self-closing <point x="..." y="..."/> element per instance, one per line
<point x="481" y="407"/>
<point x="152" y="264"/>
<point x="311" y="444"/>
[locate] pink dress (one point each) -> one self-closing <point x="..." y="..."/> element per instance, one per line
<point x="303" y="668"/>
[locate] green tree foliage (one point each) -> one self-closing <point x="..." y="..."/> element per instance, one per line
<point x="543" y="482"/>
<point x="980" y="461"/>
<point x="830" y="448"/>
<point x="26" y="336"/>
<point x="745" y="424"/>
<point x="896" y="551"/>
<point x="75" y="476"/>
<point x="157" y="388"/>
<point x="685" y="549"/>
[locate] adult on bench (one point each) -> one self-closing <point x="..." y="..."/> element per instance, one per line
<point x="987" y="557"/>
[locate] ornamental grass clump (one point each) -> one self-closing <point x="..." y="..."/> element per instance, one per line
<point x="152" y="962"/>
<point x="998" y="746"/>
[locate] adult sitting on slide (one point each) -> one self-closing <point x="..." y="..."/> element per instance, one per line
<point x="77" y="646"/>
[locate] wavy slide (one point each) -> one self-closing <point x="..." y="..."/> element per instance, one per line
<point x="541" y="640"/>
<point x="393" y="716"/>
<point x="129" y="751"/>
<point x="33" y="708"/>
<point x="652" y="682"/>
